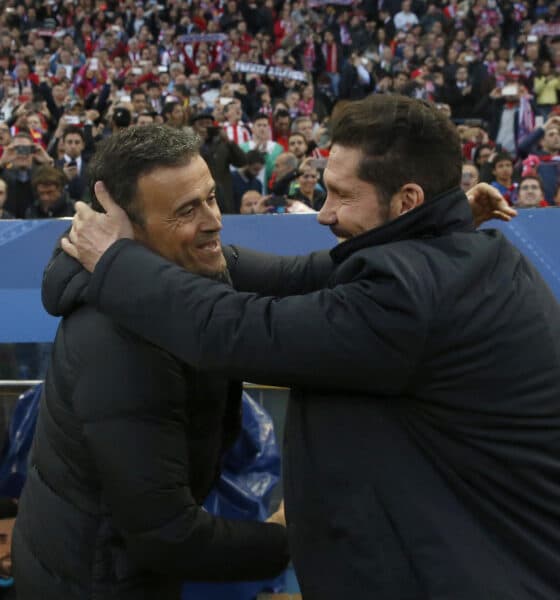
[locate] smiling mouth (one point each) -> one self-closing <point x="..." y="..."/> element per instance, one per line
<point x="212" y="246"/>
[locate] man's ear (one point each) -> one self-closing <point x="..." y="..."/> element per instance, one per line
<point x="407" y="198"/>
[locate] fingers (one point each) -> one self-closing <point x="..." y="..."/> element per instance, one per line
<point x="102" y="194"/>
<point x="69" y="247"/>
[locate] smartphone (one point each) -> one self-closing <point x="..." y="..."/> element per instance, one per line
<point x="162" y="69"/>
<point x="124" y="99"/>
<point x="94" y="64"/>
<point x="72" y="119"/>
<point x="318" y="163"/>
<point x="136" y="71"/>
<point x="512" y="89"/>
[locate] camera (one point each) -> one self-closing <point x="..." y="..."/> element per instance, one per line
<point x="25" y="150"/>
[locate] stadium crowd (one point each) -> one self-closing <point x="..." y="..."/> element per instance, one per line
<point x="260" y="81"/>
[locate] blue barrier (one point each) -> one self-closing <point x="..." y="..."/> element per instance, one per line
<point x="25" y="248"/>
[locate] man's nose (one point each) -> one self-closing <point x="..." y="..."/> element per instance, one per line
<point x="327" y="214"/>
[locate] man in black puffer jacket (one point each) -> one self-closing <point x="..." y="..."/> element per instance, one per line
<point x="129" y="439"/>
<point x="422" y="451"/>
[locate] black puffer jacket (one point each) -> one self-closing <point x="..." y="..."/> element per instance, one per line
<point x="128" y="443"/>
<point x="422" y="456"/>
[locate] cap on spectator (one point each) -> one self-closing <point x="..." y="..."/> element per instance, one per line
<point x="122" y="117"/>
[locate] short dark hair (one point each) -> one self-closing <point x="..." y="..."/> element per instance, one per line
<point x="124" y="157"/>
<point x="137" y="91"/>
<point x="501" y="157"/>
<point x="261" y="117"/>
<point x="535" y="177"/>
<point x="403" y="140"/>
<point x="254" y="156"/>
<point x="47" y="175"/>
<point x="73" y="129"/>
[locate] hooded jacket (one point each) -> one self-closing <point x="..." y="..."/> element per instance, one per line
<point x="128" y="443"/>
<point x="422" y="443"/>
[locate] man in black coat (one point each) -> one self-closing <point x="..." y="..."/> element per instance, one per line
<point x="422" y="455"/>
<point x="129" y="439"/>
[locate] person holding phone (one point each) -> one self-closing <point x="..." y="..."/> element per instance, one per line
<point x="17" y="166"/>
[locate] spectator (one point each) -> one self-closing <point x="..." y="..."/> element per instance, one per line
<point x="139" y="101"/>
<point x="73" y="163"/>
<point x="17" y="164"/>
<point x="220" y="153"/>
<point x="262" y="142"/>
<point x="547" y="86"/>
<point x="145" y="118"/>
<point x="52" y="201"/>
<point x="530" y="193"/>
<point x="307" y="191"/>
<point x="251" y="201"/>
<point x="122" y="118"/>
<point x="297" y="145"/>
<point x="405" y="19"/>
<point x="285" y="172"/>
<point x="544" y="142"/>
<point x="247" y="177"/>
<point x="282" y="124"/>
<point x="5" y="137"/>
<point x="502" y="170"/>
<point x="235" y="129"/>
<point x="357" y="79"/>
<point x="469" y="176"/>
<point x="174" y="115"/>
<point x="4" y="214"/>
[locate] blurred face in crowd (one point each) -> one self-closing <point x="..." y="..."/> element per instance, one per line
<point x="3" y="192"/>
<point x="5" y="138"/>
<point x="23" y="161"/>
<point x="292" y="99"/>
<point x="250" y="202"/>
<point x="261" y="130"/>
<point x="305" y="127"/>
<point x="73" y="145"/>
<point x="283" y="164"/>
<point x="502" y="171"/>
<point x="530" y="193"/>
<point x="469" y="177"/>
<point x="48" y="194"/>
<point x="297" y="145"/>
<point x="34" y="122"/>
<point x="182" y="221"/>
<point x="200" y="127"/>
<point x="232" y="112"/>
<point x="139" y="102"/>
<point x="551" y="140"/>
<point x="352" y="206"/>
<point x="308" y="179"/>
<point x="254" y="168"/>
<point x="144" y="120"/>
<point x="282" y="125"/>
<point x="461" y="74"/>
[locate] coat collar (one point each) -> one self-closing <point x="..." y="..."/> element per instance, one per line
<point x="446" y="213"/>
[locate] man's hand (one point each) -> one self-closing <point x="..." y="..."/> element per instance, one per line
<point x="278" y="517"/>
<point x="93" y="232"/>
<point x="487" y="203"/>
